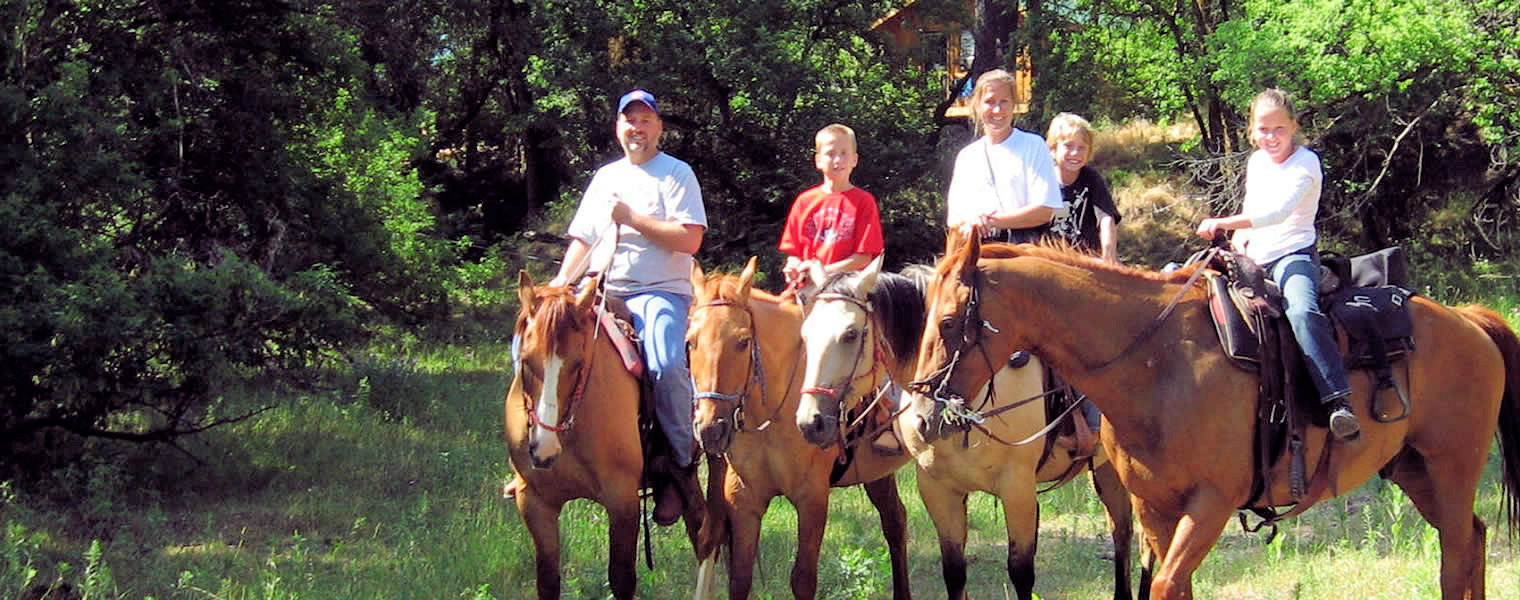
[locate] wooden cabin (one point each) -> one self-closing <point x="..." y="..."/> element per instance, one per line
<point x="930" y="35"/>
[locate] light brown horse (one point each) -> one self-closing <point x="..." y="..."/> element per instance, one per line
<point x="1181" y="416"/>
<point x="864" y="328"/>
<point x="745" y="353"/>
<point x="572" y="416"/>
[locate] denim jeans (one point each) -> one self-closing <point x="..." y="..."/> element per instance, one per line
<point x="660" y="318"/>
<point x="1298" y="276"/>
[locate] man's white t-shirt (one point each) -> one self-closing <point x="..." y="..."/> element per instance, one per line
<point x="664" y="188"/>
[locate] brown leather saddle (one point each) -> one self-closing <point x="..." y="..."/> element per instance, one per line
<point x="1247" y="311"/>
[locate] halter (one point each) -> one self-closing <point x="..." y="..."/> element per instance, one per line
<point x="757" y="375"/>
<point x="878" y="358"/>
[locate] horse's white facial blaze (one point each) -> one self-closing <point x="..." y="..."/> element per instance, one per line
<point x="547" y="404"/>
<point x="829" y="360"/>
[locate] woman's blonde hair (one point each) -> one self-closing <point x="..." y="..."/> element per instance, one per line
<point x="983" y="84"/>
<point x="1273" y="98"/>
<point x="1068" y="126"/>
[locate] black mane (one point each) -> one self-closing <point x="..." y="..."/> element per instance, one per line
<point x="899" y="304"/>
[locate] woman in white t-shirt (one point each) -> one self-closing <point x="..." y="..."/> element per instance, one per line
<point x="1004" y="185"/>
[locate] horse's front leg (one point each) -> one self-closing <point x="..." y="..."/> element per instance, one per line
<point x="746" y="510"/>
<point x="1202" y="522"/>
<point x="1021" y="515"/>
<point x="947" y="508"/>
<point x="714" y="530"/>
<point x="623" y="536"/>
<point x="542" y="520"/>
<point x="812" y="516"/>
<point x="1115" y="498"/>
<point x="894" y="526"/>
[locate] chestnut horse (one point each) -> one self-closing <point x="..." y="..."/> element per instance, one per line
<point x="1181" y="416"/>
<point x="863" y="328"/>
<point x="745" y="352"/>
<point x="572" y="418"/>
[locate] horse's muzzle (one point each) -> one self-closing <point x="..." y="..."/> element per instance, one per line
<point x="715" y="436"/>
<point x="821" y="430"/>
<point x="538" y="459"/>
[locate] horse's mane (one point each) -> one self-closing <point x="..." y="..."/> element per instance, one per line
<point x="552" y="313"/>
<point x="898" y="301"/>
<point x="1066" y="254"/>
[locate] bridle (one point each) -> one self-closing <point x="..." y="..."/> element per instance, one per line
<point x="937" y="384"/>
<point x="955" y="408"/>
<point x="839" y="393"/>
<point x="580" y="381"/>
<point x="756" y="376"/>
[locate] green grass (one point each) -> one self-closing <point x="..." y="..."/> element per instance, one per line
<point x="388" y="487"/>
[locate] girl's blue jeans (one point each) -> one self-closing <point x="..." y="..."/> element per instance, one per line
<point x="1298" y="276"/>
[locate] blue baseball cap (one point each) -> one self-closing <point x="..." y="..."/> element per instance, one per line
<point x="637" y="96"/>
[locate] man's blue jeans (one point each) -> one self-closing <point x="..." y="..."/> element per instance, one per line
<point x="1298" y="276"/>
<point x="660" y="318"/>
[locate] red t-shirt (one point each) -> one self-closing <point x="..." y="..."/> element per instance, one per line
<point x="830" y="227"/>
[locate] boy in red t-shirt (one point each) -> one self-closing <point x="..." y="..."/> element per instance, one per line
<point x="835" y="225"/>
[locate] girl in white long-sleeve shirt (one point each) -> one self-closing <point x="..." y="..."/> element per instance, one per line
<point x="1276" y="229"/>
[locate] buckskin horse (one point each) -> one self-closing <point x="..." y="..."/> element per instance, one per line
<point x="1182" y="417"/>
<point x="862" y="329"/>
<point x="745" y="351"/>
<point x="572" y="421"/>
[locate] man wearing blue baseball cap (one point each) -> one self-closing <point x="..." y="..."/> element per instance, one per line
<point x="642" y="219"/>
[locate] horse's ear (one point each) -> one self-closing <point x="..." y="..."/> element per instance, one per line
<point x="968" y="253"/>
<point x="953" y="240"/>
<point x="524" y="289"/>
<point x="698" y="278"/>
<point x="586" y="298"/>
<point x="816" y="275"/>
<point x="746" y="280"/>
<point x="868" y="277"/>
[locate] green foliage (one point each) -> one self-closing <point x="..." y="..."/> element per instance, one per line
<point x="192" y="197"/>
<point x="1406" y="102"/>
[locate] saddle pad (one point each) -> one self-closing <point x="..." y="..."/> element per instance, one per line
<point x="627" y="348"/>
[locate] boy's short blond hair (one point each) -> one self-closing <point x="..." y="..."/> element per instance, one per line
<point x="836" y="130"/>
<point x="1067" y="126"/>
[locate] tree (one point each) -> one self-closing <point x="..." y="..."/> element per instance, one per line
<point x="193" y="196"/>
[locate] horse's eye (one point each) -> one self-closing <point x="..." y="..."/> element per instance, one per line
<point x="742" y="345"/>
<point x="946" y="326"/>
<point x="850" y="336"/>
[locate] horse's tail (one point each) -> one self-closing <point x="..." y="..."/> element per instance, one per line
<point x="1509" y="410"/>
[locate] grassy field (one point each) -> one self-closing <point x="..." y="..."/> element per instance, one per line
<point x="387" y="487"/>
